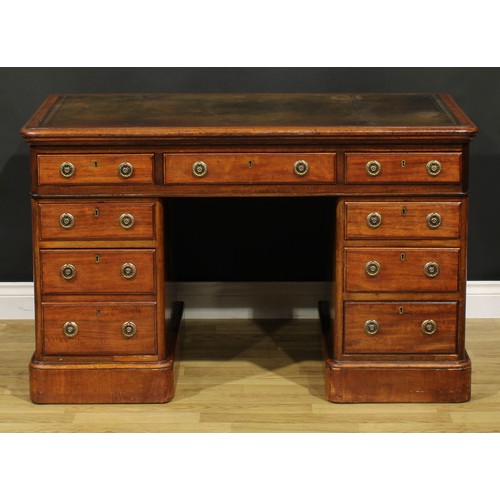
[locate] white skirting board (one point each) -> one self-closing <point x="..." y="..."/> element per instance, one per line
<point x="16" y="301"/>
<point x="226" y="300"/>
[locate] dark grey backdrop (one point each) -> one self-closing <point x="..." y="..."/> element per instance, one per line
<point x="254" y="248"/>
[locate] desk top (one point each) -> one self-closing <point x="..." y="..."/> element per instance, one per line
<point x="101" y="116"/>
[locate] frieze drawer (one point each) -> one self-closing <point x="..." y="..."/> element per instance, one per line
<point x="210" y="168"/>
<point x="71" y="169"/>
<point x="397" y="168"/>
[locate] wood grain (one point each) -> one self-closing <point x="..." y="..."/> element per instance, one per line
<point x="251" y="376"/>
<point x="99" y="328"/>
<point x="95" y="169"/>
<point x="248" y="168"/>
<point x="98" y="271"/>
<point x="398" y="274"/>
<point x="392" y="171"/>
<point x="400" y="327"/>
<point x="96" y="219"/>
<point x="404" y="219"/>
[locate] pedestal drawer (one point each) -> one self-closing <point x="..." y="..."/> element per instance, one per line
<point x="99" y="329"/>
<point x="400" y="327"/>
<point x="96" y="220"/>
<point x="401" y="269"/>
<point x="211" y="168"/>
<point x="97" y="271"/>
<point x="401" y="167"/>
<point x="408" y="220"/>
<point x="71" y="169"/>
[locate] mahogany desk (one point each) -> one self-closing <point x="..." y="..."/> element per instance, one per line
<point x="395" y="165"/>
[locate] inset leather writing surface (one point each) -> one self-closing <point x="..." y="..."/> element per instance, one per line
<point x="296" y="114"/>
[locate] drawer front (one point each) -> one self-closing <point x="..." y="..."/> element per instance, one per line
<point x="400" y="327"/>
<point x="396" y="168"/>
<point x="95" y="169"/>
<point x="249" y="168"/>
<point x="94" y="221"/>
<point x="99" y="329"/>
<point x="97" y="271"/>
<point x="401" y="269"/>
<point x="408" y="220"/>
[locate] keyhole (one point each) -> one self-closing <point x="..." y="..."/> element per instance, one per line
<point x="403" y="257"/>
<point x="403" y="211"/>
<point x="403" y="163"/>
<point x="97" y="258"/>
<point x="250" y="164"/>
<point x="98" y="312"/>
<point x="96" y="212"/>
<point x="401" y="310"/>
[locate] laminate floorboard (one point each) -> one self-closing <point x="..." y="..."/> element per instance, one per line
<point x="251" y="376"/>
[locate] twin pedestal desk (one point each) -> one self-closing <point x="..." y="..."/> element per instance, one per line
<point x="394" y="166"/>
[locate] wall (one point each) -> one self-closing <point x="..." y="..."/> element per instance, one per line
<point x="238" y="256"/>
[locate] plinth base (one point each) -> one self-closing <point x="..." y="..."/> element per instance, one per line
<point x="108" y="382"/>
<point x="392" y="381"/>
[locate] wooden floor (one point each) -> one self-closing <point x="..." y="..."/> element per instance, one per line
<point x="250" y="376"/>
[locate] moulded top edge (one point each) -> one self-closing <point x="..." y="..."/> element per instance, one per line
<point x="154" y="116"/>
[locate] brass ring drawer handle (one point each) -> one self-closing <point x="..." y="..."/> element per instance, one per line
<point x="374" y="220"/>
<point x="68" y="271"/>
<point x="125" y="169"/>
<point x="372" y="268"/>
<point x="301" y="167"/>
<point x="129" y="329"/>
<point x="66" y="221"/>
<point x="128" y="270"/>
<point x="431" y="269"/>
<point x="429" y="327"/>
<point x="372" y="327"/>
<point x="434" y="220"/>
<point x="127" y="221"/>
<point x="433" y="168"/>
<point x="70" y="329"/>
<point x="67" y="169"/>
<point x="200" y="168"/>
<point x="373" y="168"/>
